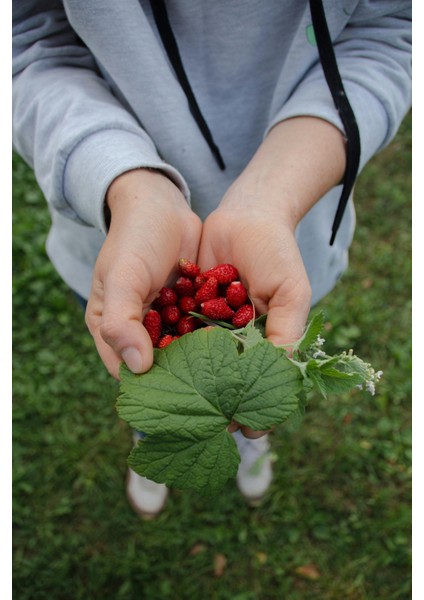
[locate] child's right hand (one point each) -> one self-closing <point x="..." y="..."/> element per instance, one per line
<point x="151" y="227"/>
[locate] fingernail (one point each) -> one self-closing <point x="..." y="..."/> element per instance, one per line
<point x="132" y="359"/>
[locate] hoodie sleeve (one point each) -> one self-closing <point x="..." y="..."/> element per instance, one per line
<point x="67" y="124"/>
<point x="373" y="53"/>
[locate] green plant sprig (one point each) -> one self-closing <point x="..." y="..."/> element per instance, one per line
<point x="204" y="380"/>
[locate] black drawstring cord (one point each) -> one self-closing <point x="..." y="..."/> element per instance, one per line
<point x="170" y="44"/>
<point x="332" y="76"/>
<point x="334" y="81"/>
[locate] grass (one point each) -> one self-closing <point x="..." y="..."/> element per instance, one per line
<point x="337" y="523"/>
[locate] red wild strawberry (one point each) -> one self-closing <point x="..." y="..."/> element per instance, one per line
<point x="236" y="294"/>
<point x="188" y="268"/>
<point x="199" y="281"/>
<point x="187" y="324"/>
<point x="166" y="297"/>
<point x="187" y="304"/>
<point x="184" y="287"/>
<point x="224" y="273"/>
<point x="217" y="309"/>
<point x="153" y="324"/>
<point x="243" y="315"/>
<point x="170" y="314"/>
<point x="208" y="291"/>
<point x="165" y="340"/>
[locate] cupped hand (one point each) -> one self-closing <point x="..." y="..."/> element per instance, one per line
<point x="151" y="228"/>
<point x="254" y="226"/>
<point x="262" y="245"/>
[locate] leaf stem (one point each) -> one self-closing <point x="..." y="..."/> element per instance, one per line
<point x="211" y="321"/>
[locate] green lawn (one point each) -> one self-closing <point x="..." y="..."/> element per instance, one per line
<point x="337" y="525"/>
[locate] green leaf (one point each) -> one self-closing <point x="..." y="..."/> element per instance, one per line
<point x="328" y="378"/>
<point x="318" y="383"/>
<point x="206" y="379"/>
<point x="271" y="386"/>
<point x="199" y="383"/>
<point x="350" y="363"/>
<point x="260" y="324"/>
<point x="196" y="387"/>
<point x="192" y="387"/>
<point x="337" y="384"/>
<point x="203" y="465"/>
<point x="311" y="333"/>
<point x="248" y="336"/>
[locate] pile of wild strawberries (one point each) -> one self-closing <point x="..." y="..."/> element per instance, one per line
<point x="217" y="294"/>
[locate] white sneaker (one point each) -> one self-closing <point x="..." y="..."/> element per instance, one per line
<point x="254" y="475"/>
<point x="146" y="497"/>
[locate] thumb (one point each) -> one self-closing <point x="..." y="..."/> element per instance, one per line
<point x="118" y="331"/>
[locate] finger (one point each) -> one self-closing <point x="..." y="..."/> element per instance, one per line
<point x="206" y="258"/>
<point x="253" y="434"/>
<point x="93" y="316"/>
<point x="233" y="426"/>
<point x="247" y="431"/>
<point x="121" y="328"/>
<point x="111" y="359"/>
<point x="115" y="321"/>
<point x="288" y="311"/>
<point x="211" y="251"/>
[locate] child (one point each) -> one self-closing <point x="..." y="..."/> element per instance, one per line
<point x="206" y="131"/>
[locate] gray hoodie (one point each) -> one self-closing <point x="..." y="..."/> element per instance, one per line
<point x="95" y="95"/>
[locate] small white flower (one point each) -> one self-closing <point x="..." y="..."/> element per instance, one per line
<point x="318" y="354"/>
<point x="370" y="387"/>
<point x="319" y="341"/>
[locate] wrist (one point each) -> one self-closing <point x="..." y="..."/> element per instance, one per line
<point x="299" y="161"/>
<point x="138" y="187"/>
<point x="260" y="199"/>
